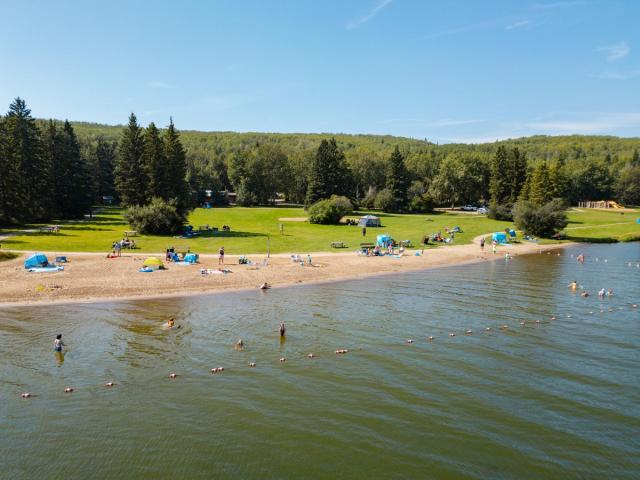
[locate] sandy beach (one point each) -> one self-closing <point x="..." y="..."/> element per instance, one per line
<point x="92" y="277"/>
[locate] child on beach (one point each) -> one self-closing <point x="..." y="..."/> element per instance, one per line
<point x="221" y="256"/>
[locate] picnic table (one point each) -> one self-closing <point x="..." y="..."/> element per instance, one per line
<point x="130" y="233"/>
<point x="50" y="228"/>
<point x="338" y="245"/>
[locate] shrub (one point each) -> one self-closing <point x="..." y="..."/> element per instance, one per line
<point x="330" y="211"/>
<point x="501" y="212"/>
<point x="542" y="221"/>
<point x="157" y="217"/>
<point x="421" y="204"/>
<point x="385" y="201"/>
<point x="245" y="196"/>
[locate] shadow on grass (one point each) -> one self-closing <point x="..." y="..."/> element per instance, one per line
<point x="231" y="234"/>
<point x="585" y="239"/>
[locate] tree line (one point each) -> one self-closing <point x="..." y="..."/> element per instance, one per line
<point x="52" y="169"/>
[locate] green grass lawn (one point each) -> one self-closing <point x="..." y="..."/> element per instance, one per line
<point x="252" y="228"/>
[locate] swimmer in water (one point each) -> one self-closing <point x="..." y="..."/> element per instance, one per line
<point x="573" y="285"/>
<point x="283" y="330"/>
<point x="265" y="286"/>
<point x="170" y="323"/>
<point x="239" y="344"/>
<point x="601" y="293"/>
<point x="58" y="343"/>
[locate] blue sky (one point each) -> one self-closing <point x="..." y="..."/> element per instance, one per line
<point x="442" y="70"/>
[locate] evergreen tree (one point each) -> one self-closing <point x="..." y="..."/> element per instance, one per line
<point x="557" y="181"/>
<point x="329" y="173"/>
<point x="499" y="188"/>
<point x="131" y="177"/>
<point x="73" y="186"/>
<point x="103" y="162"/>
<point x="175" y="180"/>
<point x="27" y="182"/>
<point x="539" y="193"/>
<point x="516" y="174"/>
<point x="398" y="180"/>
<point x="155" y="164"/>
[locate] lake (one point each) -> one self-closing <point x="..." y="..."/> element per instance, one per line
<point x="558" y="399"/>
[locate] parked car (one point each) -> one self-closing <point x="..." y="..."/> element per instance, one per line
<point x="469" y="208"/>
<point x="482" y="210"/>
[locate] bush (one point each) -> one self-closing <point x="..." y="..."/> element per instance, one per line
<point x="542" y="221"/>
<point x="385" y="201"/>
<point x="370" y="198"/>
<point x="421" y="204"/>
<point x="157" y="217"/>
<point x="501" y="212"/>
<point x="330" y="211"/>
<point x="245" y="196"/>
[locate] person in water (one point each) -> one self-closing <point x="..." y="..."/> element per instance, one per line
<point x="265" y="286"/>
<point x="58" y="343"/>
<point x="283" y="330"/>
<point x="239" y="344"/>
<point x="573" y="285"/>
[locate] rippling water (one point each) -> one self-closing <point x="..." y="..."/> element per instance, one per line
<point x="555" y="399"/>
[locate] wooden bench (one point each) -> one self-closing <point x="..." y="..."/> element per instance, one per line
<point x="338" y="245"/>
<point x="50" y="228"/>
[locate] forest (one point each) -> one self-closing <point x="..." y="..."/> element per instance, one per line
<point x="59" y="169"/>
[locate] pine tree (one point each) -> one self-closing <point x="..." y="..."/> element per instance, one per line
<point x="329" y="173"/>
<point x="398" y="180"/>
<point x="557" y="181"/>
<point x="517" y="174"/>
<point x="75" y="186"/>
<point x="27" y="180"/>
<point x="175" y="173"/>
<point x="156" y="165"/>
<point x="499" y="188"/>
<point x="103" y="159"/>
<point x="539" y="193"/>
<point x="131" y="177"/>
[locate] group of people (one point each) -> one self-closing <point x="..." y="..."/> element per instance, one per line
<point x="601" y="293"/>
<point x="118" y="245"/>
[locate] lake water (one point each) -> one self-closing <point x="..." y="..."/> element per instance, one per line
<point x="559" y="399"/>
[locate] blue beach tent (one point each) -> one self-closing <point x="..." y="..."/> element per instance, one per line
<point x="499" y="237"/>
<point x="384" y="241"/>
<point x="191" y="258"/>
<point x="37" y="260"/>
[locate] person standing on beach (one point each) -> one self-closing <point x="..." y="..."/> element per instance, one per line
<point x="493" y="246"/>
<point x="221" y="256"/>
<point x="482" y="243"/>
<point x="364" y="231"/>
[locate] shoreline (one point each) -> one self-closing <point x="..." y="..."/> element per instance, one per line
<point x="92" y="278"/>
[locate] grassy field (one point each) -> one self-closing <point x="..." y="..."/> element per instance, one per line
<point x="253" y="228"/>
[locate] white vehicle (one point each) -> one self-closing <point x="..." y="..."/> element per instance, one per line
<point x="482" y="210"/>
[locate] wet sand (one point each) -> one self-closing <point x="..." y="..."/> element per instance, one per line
<point x="92" y="277"/>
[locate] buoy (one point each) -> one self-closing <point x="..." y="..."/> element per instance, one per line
<point x="410" y="340"/>
<point x="283" y="359"/>
<point x="488" y="329"/>
<point x="537" y="321"/>
<point x="452" y="334"/>
<point x="553" y="318"/>
<point x="252" y="364"/>
<point x="469" y="332"/>
<point x="109" y="384"/>
<point x="634" y="306"/>
<point x="26" y="395"/>
<point x="521" y="323"/>
<point x="68" y="390"/>
<point x="173" y="375"/>
<point x="568" y="315"/>
<point x="504" y="327"/>
<point x="430" y="337"/>
<point x="311" y="355"/>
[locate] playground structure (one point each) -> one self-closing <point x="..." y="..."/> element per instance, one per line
<point x="600" y="204"/>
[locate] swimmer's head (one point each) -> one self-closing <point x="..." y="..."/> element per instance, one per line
<point x="59" y="336"/>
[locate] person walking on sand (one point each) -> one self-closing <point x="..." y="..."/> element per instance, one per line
<point x="493" y="246"/>
<point x="482" y="243"/>
<point x="58" y="343"/>
<point x="221" y="256"/>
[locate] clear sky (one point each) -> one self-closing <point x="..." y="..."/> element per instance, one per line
<point x="442" y="70"/>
